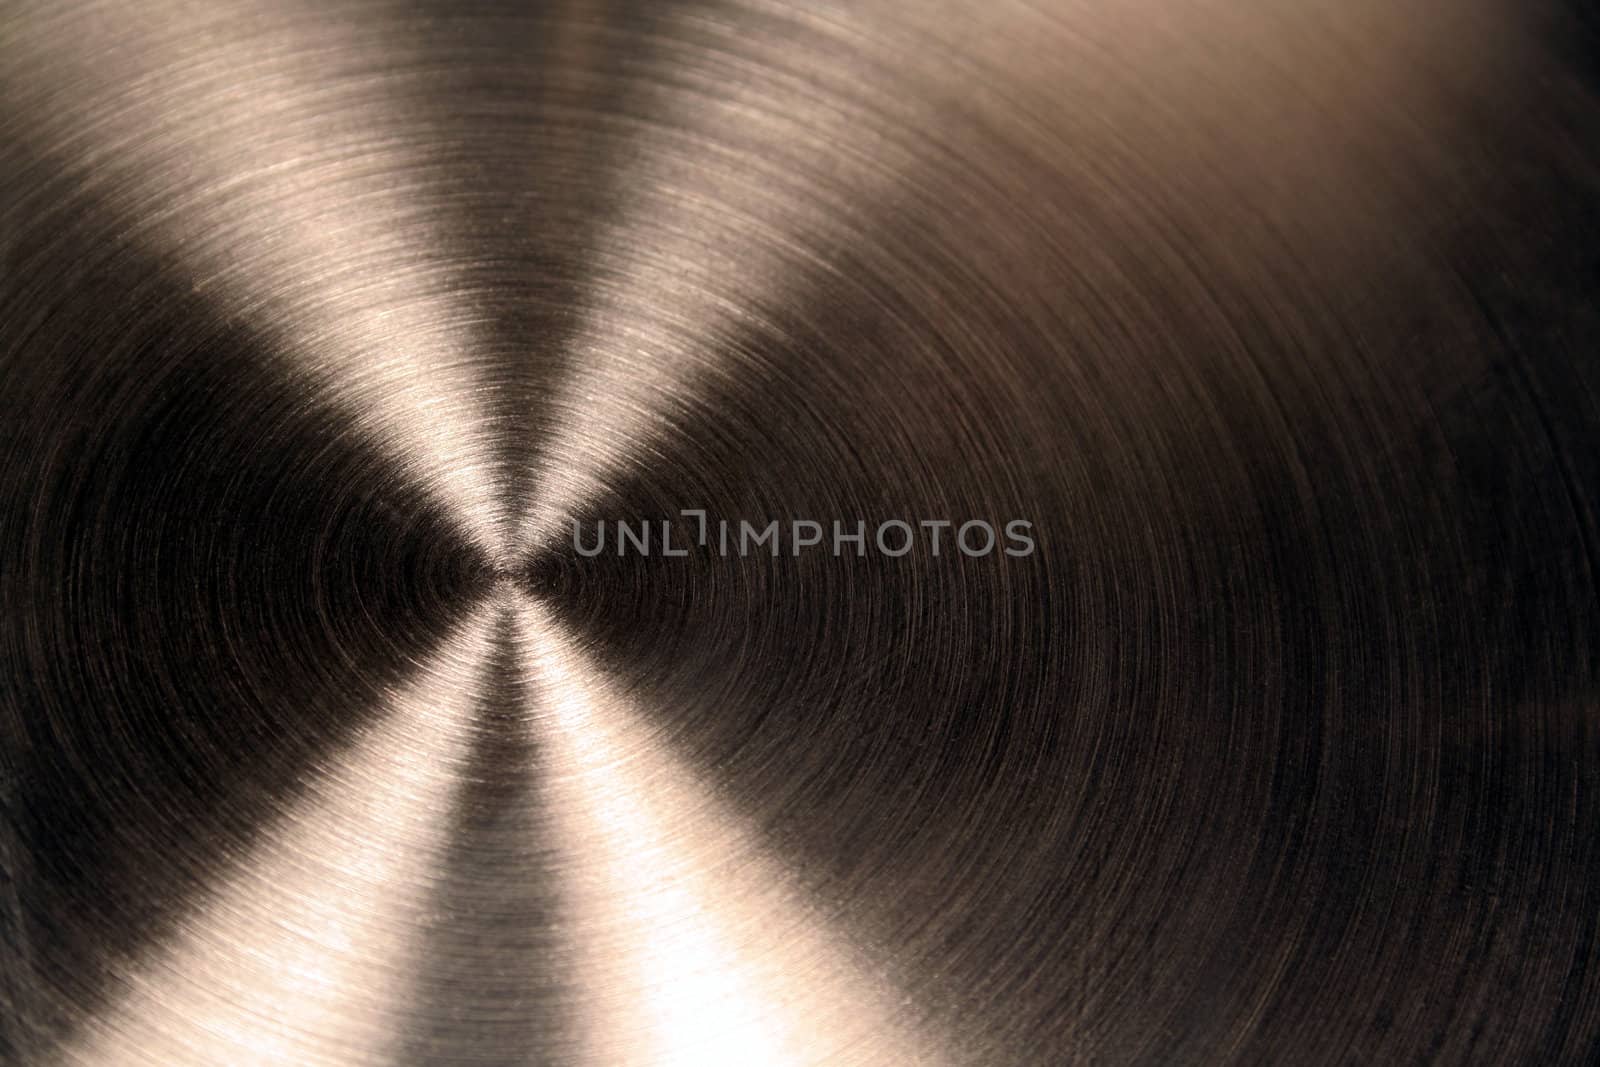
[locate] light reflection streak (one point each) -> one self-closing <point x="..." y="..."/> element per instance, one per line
<point x="299" y="957"/>
<point x="280" y="201"/>
<point x="696" y="948"/>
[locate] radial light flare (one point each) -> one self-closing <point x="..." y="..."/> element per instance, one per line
<point x="280" y="204"/>
<point x="300" y="956"/>
<point x="696" y="947"/>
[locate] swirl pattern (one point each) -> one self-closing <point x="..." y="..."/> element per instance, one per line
<point x="325" y="327"/>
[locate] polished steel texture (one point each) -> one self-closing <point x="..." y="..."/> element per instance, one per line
<point x="322" y="745"/>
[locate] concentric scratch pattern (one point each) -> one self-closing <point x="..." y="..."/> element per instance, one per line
<point x="320" y="743"/>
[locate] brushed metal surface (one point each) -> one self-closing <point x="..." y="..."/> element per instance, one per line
<point x="320" y="323"/>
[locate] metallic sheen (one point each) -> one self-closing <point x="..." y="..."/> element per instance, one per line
<point x="320" y="323"/>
